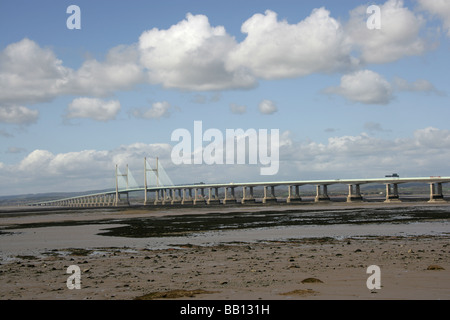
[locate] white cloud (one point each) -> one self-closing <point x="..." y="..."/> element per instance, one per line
<point x="276" y="49"/>
<point x="194" y="55"/>
<point x="397" y="38"/>
<point x="119" y="71"/>
<point x="18" y="114"/>
<point x="93" y="108"/>
<point x="440" y="8"/>
<point x="267" y="107"/>
<point x="369" y="87"/>
<point x="191" y="55"/>
<point x="30" y="74"/>
<point x="157" y="110"/>
<point x="432" y="138"/>
<point x="44" y="171"/>
<point x="36" y="161"/>
<point x="365" y="87"/>
<point x="420" y="85"/>
<point x="424" y="153"/>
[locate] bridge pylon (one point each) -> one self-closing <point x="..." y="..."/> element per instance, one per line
<point x="145" y="179"/>
<point x="118" y="200"/>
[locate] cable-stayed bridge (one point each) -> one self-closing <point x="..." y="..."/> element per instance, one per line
<point x="164" y="192"/>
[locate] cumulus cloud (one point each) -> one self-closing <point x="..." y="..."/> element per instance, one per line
<point x="364" y="86"/>
<point x="30" y="74"/>
<point x="276" y="49"/>
<point x="439" y="8"/>
<point x="44" y="171"/>
<point x="432" y="138"/>
<point x="156" y="111"/>
<point x="397" y="38"/>
<point x="191" y="55"/>
<point x="120" y="71"/>
<point x="18" y="114"/>
<point x="267" y="107"/>
<point x="369" y="87"/>
<point x="36" y="161"/>
<point x="93" y="108"/>
<point x="424" y="153"/>
<point x="194" y="55"/>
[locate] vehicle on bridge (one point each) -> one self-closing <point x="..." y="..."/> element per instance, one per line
<point x="394" y="175"/>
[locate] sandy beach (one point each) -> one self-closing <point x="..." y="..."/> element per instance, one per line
<point x="329" y="262"/>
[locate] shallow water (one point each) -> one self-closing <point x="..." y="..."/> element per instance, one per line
<point x="157" y="232"/>
<point x="188" y="224"/>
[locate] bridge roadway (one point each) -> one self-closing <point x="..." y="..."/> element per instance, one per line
<point x="182" y="194"/>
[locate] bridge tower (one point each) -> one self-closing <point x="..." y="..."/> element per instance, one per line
<point x="117" y="199"/>
<point x="145" y="178"/>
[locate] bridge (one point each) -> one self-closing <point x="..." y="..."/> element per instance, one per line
<point x="201" y="193"/>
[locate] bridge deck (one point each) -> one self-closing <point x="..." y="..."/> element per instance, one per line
<point x="387" y="180"/>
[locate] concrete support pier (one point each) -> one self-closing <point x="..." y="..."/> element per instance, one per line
<point x="436" y="194"/>
<point x="269" y="196"/>
<point x="294" y="195"/>
<point x="119" y="201"/>
<point x="176" y="199"/>
<point x="354" y="196"/>
<point x="229" y="198"/>
<point x="166" y="196"/>
<point x="187" y="196"/>
<point x="392" y="193"/>
<point x="322" y="196"/>
<point x="199" y="198"/>
<point x="157" y="198"/>
<point x="146" y="200"/>
<point x="247" y="197"/>
<point x="110" y="201"/>
<point x="213" y="198"/>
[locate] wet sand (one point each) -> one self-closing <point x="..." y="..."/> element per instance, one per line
<point x="232" y="264"/>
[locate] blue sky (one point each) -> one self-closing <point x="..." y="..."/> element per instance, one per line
<point x="348" y="101"/>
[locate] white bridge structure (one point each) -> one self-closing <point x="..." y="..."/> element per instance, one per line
<point x="165" y="193"/>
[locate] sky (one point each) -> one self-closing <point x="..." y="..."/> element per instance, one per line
<point x="353" y="93"/>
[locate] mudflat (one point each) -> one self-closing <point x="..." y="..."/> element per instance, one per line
<point x="285" y="263"/>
